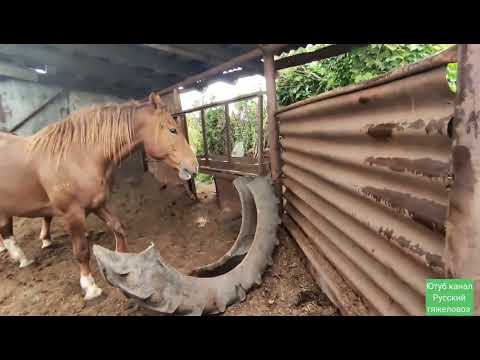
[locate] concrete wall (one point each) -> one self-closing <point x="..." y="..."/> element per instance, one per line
<point x="79" y="99"/>
<point x="19" y="99"/>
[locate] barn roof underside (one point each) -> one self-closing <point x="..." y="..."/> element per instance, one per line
<point x="125" y="70"/>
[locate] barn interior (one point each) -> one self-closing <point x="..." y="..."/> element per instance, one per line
<point x="192" y="224"/>
<point x="366" y="173"/>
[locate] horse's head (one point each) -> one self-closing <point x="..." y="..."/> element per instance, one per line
<point x="163" y="139"/>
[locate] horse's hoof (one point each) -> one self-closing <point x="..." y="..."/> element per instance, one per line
<point x="46" y="243"/>
<point x="92" y="293"/>
<point x="25" y="262"/>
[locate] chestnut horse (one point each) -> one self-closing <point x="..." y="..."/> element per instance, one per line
<point x="66" y="170"/>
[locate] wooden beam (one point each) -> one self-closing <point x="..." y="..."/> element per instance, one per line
<point x="211" y="54"/>
<point x="323" y="53"/>
<point x="207" y="53"/>
<point x="86" y="66"/>
<point x="130" y="55"/>
<point x="228" y="78"/>
<point x="238" y="61"/>
<point x="244" y="46"/>
<point x="254" y="67"/>
<point x="175" y="50"/>
<point x="214" y="51"/>
<point x="17" y="72"/>
<point x="220" y="103"/>
<point x="222" y="54"/>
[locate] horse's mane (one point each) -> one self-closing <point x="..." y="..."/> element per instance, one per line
<point x="108" y="125"/>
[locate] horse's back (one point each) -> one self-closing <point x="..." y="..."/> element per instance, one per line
<point x="12" y="149"/>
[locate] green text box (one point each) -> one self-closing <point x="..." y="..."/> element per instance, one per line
<point x="449" y="297"/>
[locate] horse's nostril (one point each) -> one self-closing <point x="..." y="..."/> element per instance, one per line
<point x="190" y="167"/>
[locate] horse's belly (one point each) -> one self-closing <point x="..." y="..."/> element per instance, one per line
<point x="20" y="191"/>
<point x="23" y="200"/>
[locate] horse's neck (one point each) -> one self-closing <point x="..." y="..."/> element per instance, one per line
<point x="126" y="150"/>
<point x="124" y="153"/>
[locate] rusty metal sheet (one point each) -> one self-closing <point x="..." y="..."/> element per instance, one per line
<point x="406" y="268"/>
<point x="367" y="170"/>
<point x="374" y="296"/>
<point x="327" y="277"/>
<point x="462" y="255"/>
<point x="445" y="57"/>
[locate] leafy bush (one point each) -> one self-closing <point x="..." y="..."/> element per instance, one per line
<point x="452" y="71"/>
<point x="243" y="128"/>
<point x="302" y="82"/>
<point x="361" y="64"/>
<point x="204" y="178"/>
<point x="244" y="123"/>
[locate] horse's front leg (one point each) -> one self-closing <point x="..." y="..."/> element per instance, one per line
<point x="75" y="224"/>
<point x="45" y="235"/>
<point x="115" y="226"/>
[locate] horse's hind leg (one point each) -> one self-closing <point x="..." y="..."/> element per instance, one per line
<point x="6" y="233"/>
<point x="115" y="226"/>
<point x="75" y="224"/>
<point x="45" y="233"/>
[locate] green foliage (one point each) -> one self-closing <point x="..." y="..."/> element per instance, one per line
<point x="215" y="125"/>
<point x="243" y="128"/>
<point x="244" y="123"/>
<point x="204" y="178"/>
<point x="359" y="65"/>
<point x="215" y="122"/>
<point x="302" y="82"/>
<point x="452" y="71"/>
<point x="195" y="133"/>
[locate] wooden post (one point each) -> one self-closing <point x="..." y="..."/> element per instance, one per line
<point x="273" y="132"/>
<point x="204" y="134"/>
<point x="462" y="253"/>
<point x="227" y="133"/>
<point x="260" y="134"/>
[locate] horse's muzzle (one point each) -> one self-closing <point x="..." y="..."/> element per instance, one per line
<point x="187" y="170"/>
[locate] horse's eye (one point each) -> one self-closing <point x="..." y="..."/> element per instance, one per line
<point x="173" y="131"/>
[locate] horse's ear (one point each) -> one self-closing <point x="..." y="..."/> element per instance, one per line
<point x="156" y="101"/>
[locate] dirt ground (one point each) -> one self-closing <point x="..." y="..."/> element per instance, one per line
<point x="188" y="234"/>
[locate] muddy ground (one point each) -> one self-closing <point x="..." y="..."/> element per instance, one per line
<point x="188" y="234"/>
